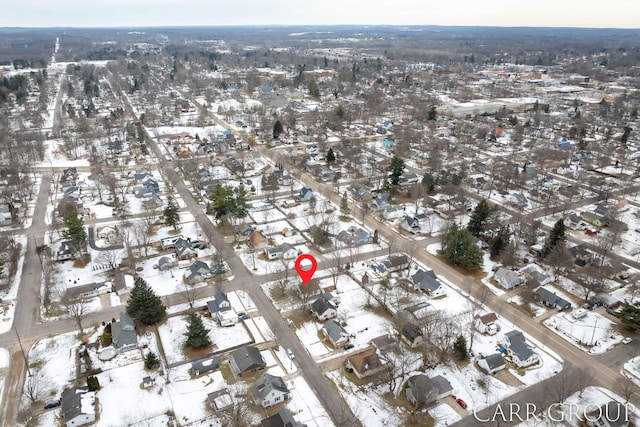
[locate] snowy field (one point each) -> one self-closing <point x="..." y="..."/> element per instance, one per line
<point x="592" y="333"/>
<point x="172" y="336"/>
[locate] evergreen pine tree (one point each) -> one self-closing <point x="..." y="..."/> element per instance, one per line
<point x="500" y="242"/>
<point x="630" y="316"/>
<point x="151" y="361"/>
<point x="197" y="334"/>
<point x="396" y="168"/>
<point x="171" y="214"/>
<point x="344" y="205"/>
<point x="144" y="305"/>
<point x="556" y="237"/>
<point x="74" y="231"/>
<point x="478" y="218"/>
<point x="331" y="157"/>
<point x="459" y="248"/>
<point x="460" y="347"/>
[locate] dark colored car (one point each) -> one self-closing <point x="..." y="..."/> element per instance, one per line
<point x="348" y="346"/>
<point x="243" y="315"/>
<point x="52" y="404"/>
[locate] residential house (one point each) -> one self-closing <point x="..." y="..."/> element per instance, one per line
<point x="165" y="263"/>
<point x="149" y="188"/>
<point x="304" y="195"/>
<point x="220" y="309"/>
<point x="78" y="406"/>
<point x="612" y="414"/>
<point x="202" y="366"/>
<point x="393" y="212"/>
<point x="282" y="251"/>
<point x="5" y="215"/>
<point x="324" y="308"/>
<point x="518" y="200"/>
<point x="423" y="391"/>
<point x="364" y="363"/>
<point x="269" y="390"/>
<point x="388" y="143"/>
<point x="257" y="240"/>
<point x="306" y="291"/>
<point x="574" y="222"/>
<point x="519" y="350"/>
<point x="492" y="363"/>
<point x="383" y="342"/>
<point x="486" y="324"/>
<point x="380" y="202"/>
<point x="412" y="335"/>
<point x="184" y="250"/>
<point x="594" y="219"/>
<point x="507" y="278"/>
<point x="396" y="263"/>
<point x="123" y="333"/>
<point x="428" y="282"/>
<point x="170" y="242"/>
<point x="533" y="272"/>
<point x="354" y="236"/>
<point x="220" y="400"/>
<point x="410" y="224"/>
<point x="335" y="333"/>
<point x="142" y="174"/>
<point x="282" y="418"/>
<point x="247" y="362"/>
<point x="109" y="234"/>
<point x="147" y="382"/>
<point x="550" y="299"/>
<point x="198" y="271"/>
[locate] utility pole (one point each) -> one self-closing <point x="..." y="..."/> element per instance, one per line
<point x="24" y="355"/>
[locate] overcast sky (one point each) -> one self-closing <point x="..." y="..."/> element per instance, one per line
<point x="107" y="13"/>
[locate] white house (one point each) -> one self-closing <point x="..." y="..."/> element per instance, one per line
<point x="283" y="251"/>
<point x="78" y="406"/>
<point x="492" y="363"/>
<point x="269" y="390"/>
<point x="486" y="324"/>
<point x="393" y="212"/>
<point x="519" y="350"/>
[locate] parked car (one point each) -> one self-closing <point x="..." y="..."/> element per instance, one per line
<point x="462" y="403"/>
<point x="196" y="244"/>
<point x="611" y="312"/>
<point x="290" y="354"/>
<point x="348" y="346"/>
<point x="626" y="340"/>
<point x="148" y="335"/>
<point x="244" y="316"/>
<point x="52" y="404"/>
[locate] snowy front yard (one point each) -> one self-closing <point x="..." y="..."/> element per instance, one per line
<point x="592" y="333"/>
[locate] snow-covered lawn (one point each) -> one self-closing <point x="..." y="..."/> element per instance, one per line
<point x="172" y="336"/>
<point x="632" y="370"/>
<point x="593" y="333"/>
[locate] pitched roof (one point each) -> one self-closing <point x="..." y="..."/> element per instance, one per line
<point x="77" y="401"/>
<point x="205" y="365"/>
<point x="321" y="306"/>
<point x="247" y="358"/>
<point x="335" y="330"/>
<point x="488" y="318"/>
<point x="427" y="280"/>
<point x="267" y="383"/>
<point x="494" y="361"/>
<point x="123" y="332"/>
<point x="366" y="360"/>
<point x="281" y="419"/>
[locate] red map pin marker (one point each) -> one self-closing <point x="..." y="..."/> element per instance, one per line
<point x="306" y="275"/>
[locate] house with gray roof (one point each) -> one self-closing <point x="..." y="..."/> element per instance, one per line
<point x="412" y="335"/>
<point x="198" y="271"/>
<point x="247" y="362"/>
<point x="354" y="236"/>
<point x="428" y="282"/>
<point x="282" y="251"/>
<point x="611" y="414"/>
<point x="202" y="366"/>
<point x="165" y="263"/>
<point x="335" y="333"/>
<point x="507" y="278"/>
<point x="423" y="391"/>
<point x="519" y="350"/>
<point x="410" y="224"/>
<point x="549" y="299"/>
<point x="304" y="195"/>
<point x="269" y="390"/>
<point x="183" y="249"/>
<point x="123" y="334"/>
<point x="220" y="309"/>
<point x="492" y="363"/>
<point x="78" y="406"/>
<point x="283" y="418"/>
<point x="323" y="308"/>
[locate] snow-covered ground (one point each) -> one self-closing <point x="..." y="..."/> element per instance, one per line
<point x="172" y="334"/>
<point x="592" y="333"/>
<point x="632" y="370"/>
